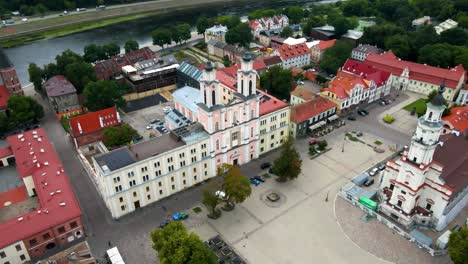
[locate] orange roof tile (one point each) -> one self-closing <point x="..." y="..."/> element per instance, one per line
<point x="307" y="110"/>
<point x="303" y="93"/>
<point x="343" y="83"/>
<point x="292" y="51"/>
<point x="325" y="44"/>
<point x="458" y="118"/>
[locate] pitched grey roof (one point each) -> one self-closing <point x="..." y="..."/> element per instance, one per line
<point x="58" y="85"/>
<point x="190" y="70"/>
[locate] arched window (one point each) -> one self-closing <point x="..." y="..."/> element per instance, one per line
<point x="213" y="97"/>
<point x="217" y="144"/>
<point x="250" y="87"/>
<point x="216" y="126"/>
<point x="430" y="115"/>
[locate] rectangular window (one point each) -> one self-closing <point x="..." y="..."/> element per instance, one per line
<point x="182" y="163"/>
<point x="157" y="164"/>
<point x="121" y="199"/>
<point x="132" y="183"/>
<point x="22" y="257"/>
<point x="160" y="192"/>
<point x="403" y="192"/>
<point x="183" y="174"/>
<point x="131" y="174"/>
<point x="122" y="207"/>
<point x="33" y="242"/>
<point x="217" y="144"/>
<point x="272" y="136"/>
<point x="144" y="169"/>
<point x="46" y="236"/>
<point x="73" y="224"/>
<point x="171" y="168"/>
<point x="184" y="182"/>
<point x="181" y="155"/>
<point x="172" y="179"/>
<point x="251" y="132"/>
<point x="148" y="196"/>
<point x="173" y="187"/>
<point x="18" y="247"/>
<point x="147" y="188"/>
<point x="195" y="177"/>
<point x="145" y="178"/>
<point x="159" y="184"/>
<point x="61" y="229"/>
<point x="134" y="194"/>
<point x="169" y="159"/>
<point x="194" y="159"/>
<point x="158" y="173"/>
<point x="234" y="136"/>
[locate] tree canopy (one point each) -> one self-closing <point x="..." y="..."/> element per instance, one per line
<point x="277" y="81"/>
<point x="93" y="52"/>
<point x="240" y="34"/>
<point x="35" y="76"/>
<point x="175" y="245"/>
<point x="236" y="186"/>
<point x="119" y="135"/>
<point x="161" y="37"/>
<point x="335" y="57"/>
<point x="80" y="74"/>
<point x="295" y="14"/>
<point x="286" y="32"/>
<point x="23" y="110"/>
<point x="202" y="24"/>
<point x="131" y="45"/>
<point x="288" y="165"/>
<point x="180" y="33"/>
<point x="458" y="246"/>
<point x="103" y="94"/>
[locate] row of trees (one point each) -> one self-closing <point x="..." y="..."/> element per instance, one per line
<point x="165" y="36"/>
<point x="21" y="112"/>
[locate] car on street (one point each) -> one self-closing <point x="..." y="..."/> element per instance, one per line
<point x="167" y="109"/>
<point x="25" y="19"/>
<point x="457" y="228"/>
<point x="155" y="121"/>
<point x="351" y="118"/>
<point x="312" y="141"/>
<point x="388" y="101"/>
<point x="300" y="82"/>
<point x="265" y="165"/>
<point x="179" y="216"/>
<point x="381" y="166"/>
<point x="365" y="111"/>
<point x="382" y="103"/>
<point x="361" y="113"/>
<point x="164" y="224"/>
<point x="254" y="181"/>
<point x="260" y="178"/>
<point x="373" y="172"/>
<point x="369" y="182"/>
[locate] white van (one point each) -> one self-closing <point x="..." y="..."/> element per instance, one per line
<point x="113" y="255"/>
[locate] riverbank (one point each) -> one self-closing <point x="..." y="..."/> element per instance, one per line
<point x="25" y="33"/>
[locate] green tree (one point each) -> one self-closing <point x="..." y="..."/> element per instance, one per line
<point x="355" y="8"/>
<point x="49" y="71"/>
<point x="119" y="135"/>
<point x="341" y="24"/>
<point x="228" y="21"/>
<point x="335" y="57"/>
<point x="111" y="49"/>
<point x="462" y="58"/>
<point x="66" y="58"/>
<point x="295" y="14"/>
<point x="241" y="34"/>
<point x="262" y="13"/>
<point x="226" y="61"/>
<point x="458" y="246"/>
<point x="235" y="186"/>
<point x="131" y="45"/>
<point x="312" y="21"/>
<point x="286" y="32"/>
<point x="35" y="76"/>
<point x="377" y="34"/>
<point x="462" y="20"/>
<point x="93" y="53"/>
<point x="80" y="74"/>
<point x="399" y="45"/>
<point x="424" y="35"/>
<point x="202" y="24"/>
<point x="288" y="165"/>
<point x="210" y="199"/>
<point x="455" y="36"/>
<point x="440" y="55"/>
<point x="277" y="81"/>
<point x="5" y="125"/>
<point x="161" y="37"/>
<point x="103" y="94"/>
<point x="180" y="33"/>
<point x="40" y="9"/>
<point x="175" y="245"/>
<point x="23" y="110"/>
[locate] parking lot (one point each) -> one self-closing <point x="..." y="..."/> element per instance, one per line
<point x="140" y="119"/>
<point x="302" y="226"/>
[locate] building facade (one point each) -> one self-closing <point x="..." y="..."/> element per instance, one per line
<point x="270" y="24"/>
<point x="293" y="56"/>
<point x="427" y="186"/>
<point x="61" y="94"/>
<point x="310" y="115"/>
<point x="361" y="52"/>
<point x="418" y="78"/>
<point x="462" y="98"/>
<point x="56" y="220"/>
<point x="317" y="50"/>
<point x="216" y="32"/>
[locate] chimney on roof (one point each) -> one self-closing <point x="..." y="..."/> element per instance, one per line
<point x="79" y="128"/>
<point x="100" y="122"/>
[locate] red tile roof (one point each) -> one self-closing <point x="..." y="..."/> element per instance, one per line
<point x="269" y="103"/>
<point x="91" y="122"/>
<point x="343" y="83"/>
<point x="4" y="95"/>
<point x="458" y="118"/>
<point x="5" y="152"/>
<point x="258" y="65"/>
<point x="272" y="61"/>
<point x="325" y="44"/>
<point x="35" y="155"/>
<point x="13" y="196"/>
<point x="454" y="158"/>
<point x="303" y="93"/>
<point x="425" y="73"/>
<point x="227" y="79"/>
<point x="307" y="110"/>
<point x="368" y="72"/>
<point x="292" y="51"/>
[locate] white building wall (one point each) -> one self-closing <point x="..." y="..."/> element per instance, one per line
<point x="446" y="218"/>
<point x="13" y="255"/>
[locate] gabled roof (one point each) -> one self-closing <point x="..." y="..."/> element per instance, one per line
<point x="269" y="103"/>
<point x="304" y="94"/>
<point x="58" y="85"/>
<point x="307" y="110"/>
<point x="272" y="61"/>
<point x="388" y="61"/>
<point x="94" y="121"/>
<point x="325" y="44"/>
<point x="292" y="51"/>
<point x="369" y="49"/>
<point x="190" y="70"/>
<point x="35" y="156"/>
<point x="227" y="79"/>
<point x="343" y="83"/>
<point x="458" y="118"/>
<point x="258" y="65"/>
<point x="368" y="72"/>
<point x="4" y="95"/>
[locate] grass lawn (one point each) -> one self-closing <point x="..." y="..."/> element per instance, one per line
<point x="420" y="105"/>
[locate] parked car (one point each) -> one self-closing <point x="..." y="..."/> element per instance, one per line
<point x="359" y="134"/>
<point x="263" y="48"/>
<point x="381" y="166"/>
<point x="388" y="101"/>
<point x="369" y="182"/>
<point x="351" y="118"/>
<point x="373" y="172"/>
<point x="300" y="82"/>
<point x="260" y="178"/>
<point x="155" y="121"/>
<point x="265" y="165"/>
<point x="312" y="141"/>
<point x="361" y="113"/>
<point x="254" y="181"/>
<point x="164" y="224"/>
<point x="179" y="216"/>
<point x="457" y="228"/>
<point x="365" y="111"/>
<point x="25" y="19"/>
<point x="382" y="103"/>
<point x="167" y="109"/>
<point x="150" y="126"/>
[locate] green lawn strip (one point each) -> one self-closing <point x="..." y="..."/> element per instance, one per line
<point x="420" y="105"/>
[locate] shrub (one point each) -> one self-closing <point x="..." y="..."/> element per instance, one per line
<point x="388" y="119"/>
<point x="378" y="142"/>
<point x="197" y="210"/>
<point x="312" y="151"/>
<point x="322" y="144"/>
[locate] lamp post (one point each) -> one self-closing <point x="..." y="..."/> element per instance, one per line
<point x="344" y="140"/>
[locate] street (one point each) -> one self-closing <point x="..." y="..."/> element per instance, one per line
<point x="131" y="233"/>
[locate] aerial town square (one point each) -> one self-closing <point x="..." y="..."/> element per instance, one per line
<point x="213" y="131"/>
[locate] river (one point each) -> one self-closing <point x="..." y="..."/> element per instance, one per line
<point x="44" y="51"/>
